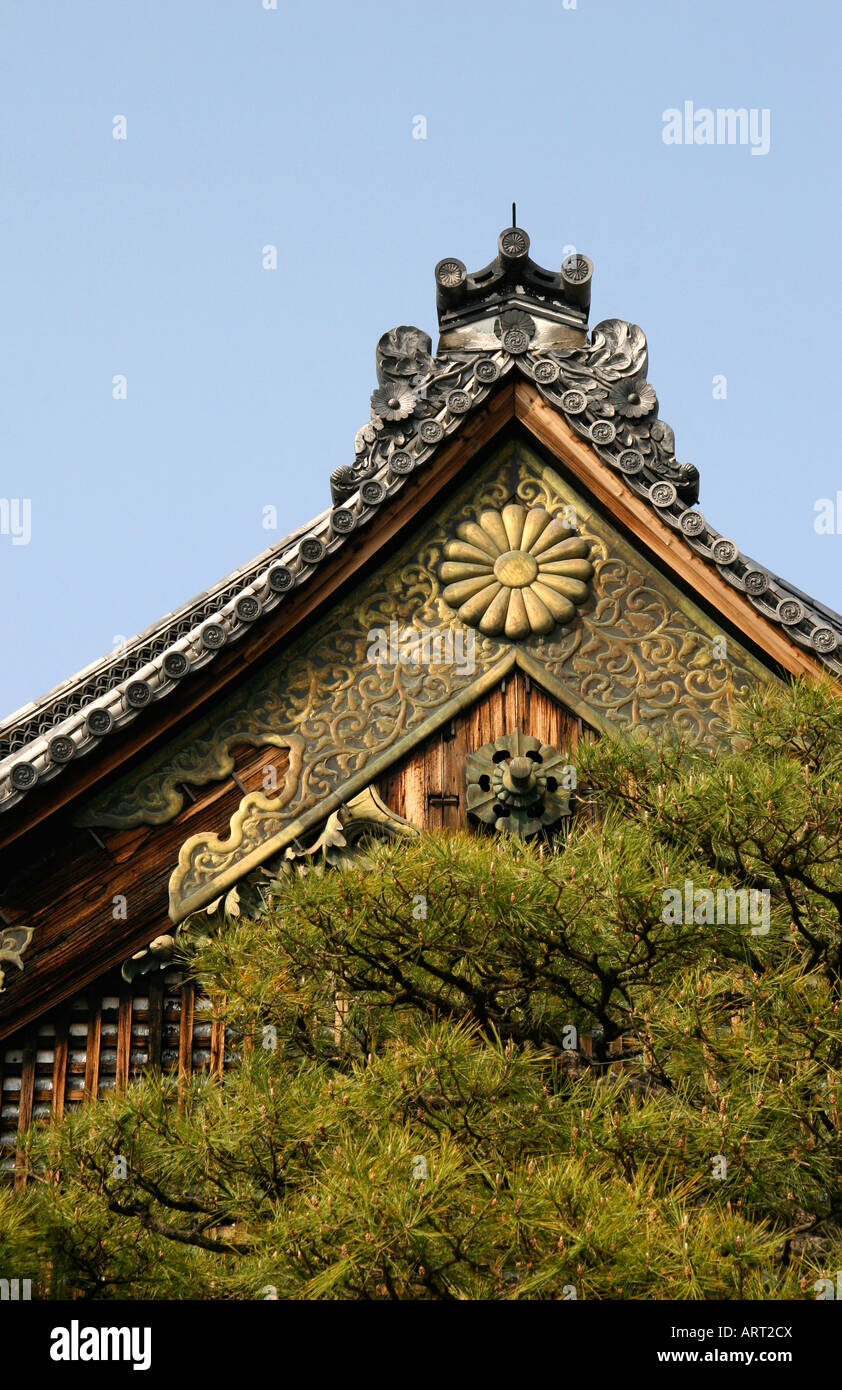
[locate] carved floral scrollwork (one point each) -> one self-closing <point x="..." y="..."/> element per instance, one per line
<point x="157" y="795"/>
<point x="618" y="406"/>
<point x="403" y="352"/>
<point x="638" y="653"/>
<point x="13" y="943"/>
<point x="340" y="843"/>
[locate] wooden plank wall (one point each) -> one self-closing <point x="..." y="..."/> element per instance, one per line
<point x="428" y="786"/>
<point x="65" y="886"/>
<point x="101" y="1040"/>
<point x="109" y="1032"/>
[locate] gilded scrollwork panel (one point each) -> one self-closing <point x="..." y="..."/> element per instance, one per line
<point x="13" y="943"/>
<point x="359" y="688"/>
<point x="156" y="795"/>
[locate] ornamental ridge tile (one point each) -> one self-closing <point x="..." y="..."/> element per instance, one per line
<point x="513" y="319"/>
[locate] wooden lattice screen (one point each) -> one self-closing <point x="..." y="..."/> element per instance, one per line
<point x="100" y="1040"/>
<point x="108" y="1034"/>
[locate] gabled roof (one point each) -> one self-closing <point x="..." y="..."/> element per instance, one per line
<point x="511" y="321"/>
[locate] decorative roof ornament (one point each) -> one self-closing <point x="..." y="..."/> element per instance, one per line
<point x="13" y="943"/>
<point x="598" y="384"/>
<point x="514" y="315"/>
<point x="340" y="842"/>
<point x="556" y="302"/>
<point x="518" y="784"/>
<point x="156" y="956"/>
<point x="518" y="572"/>
<point x="403" y="352"/>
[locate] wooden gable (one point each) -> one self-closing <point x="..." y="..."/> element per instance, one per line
<point x="143" y="791"/>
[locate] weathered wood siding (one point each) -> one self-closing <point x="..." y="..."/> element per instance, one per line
<point x="101" y="1040"/>
<point x="66" y="885"/>
<point x="428" y="786"/>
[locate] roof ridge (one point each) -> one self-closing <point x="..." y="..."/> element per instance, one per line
<point x="598" y="385"/>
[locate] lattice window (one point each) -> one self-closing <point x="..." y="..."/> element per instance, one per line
<point x="99" y="1041"/>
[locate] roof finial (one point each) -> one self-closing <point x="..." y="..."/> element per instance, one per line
<point x="559" y="298"/>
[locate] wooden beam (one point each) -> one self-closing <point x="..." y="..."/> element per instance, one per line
<point x="217" y="1044"/>
<point x="76" y="939"/>
<point x="60" y="1064"/>
<point x="185" y="1037"/>
<point x="26" y="1100"/>
<point x="669" y="546"/>
<point x="94" y="1038"/>
<point x="156" y="1021"/>
<point x="232" y="662"/>
<point x="124" y="1040"/>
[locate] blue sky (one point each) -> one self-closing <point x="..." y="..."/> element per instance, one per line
<point x="249" y="126"/>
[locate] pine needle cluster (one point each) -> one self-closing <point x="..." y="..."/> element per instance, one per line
<point x="470" y="1067"/>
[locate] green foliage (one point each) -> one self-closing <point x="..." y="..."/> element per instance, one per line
<point x="473" y="1068"/>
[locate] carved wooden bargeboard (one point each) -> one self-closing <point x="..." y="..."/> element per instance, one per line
<point x="637" y="652"/>
<point x="513" y="561"/>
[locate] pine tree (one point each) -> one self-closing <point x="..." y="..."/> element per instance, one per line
<point x="476" y="1068"/>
